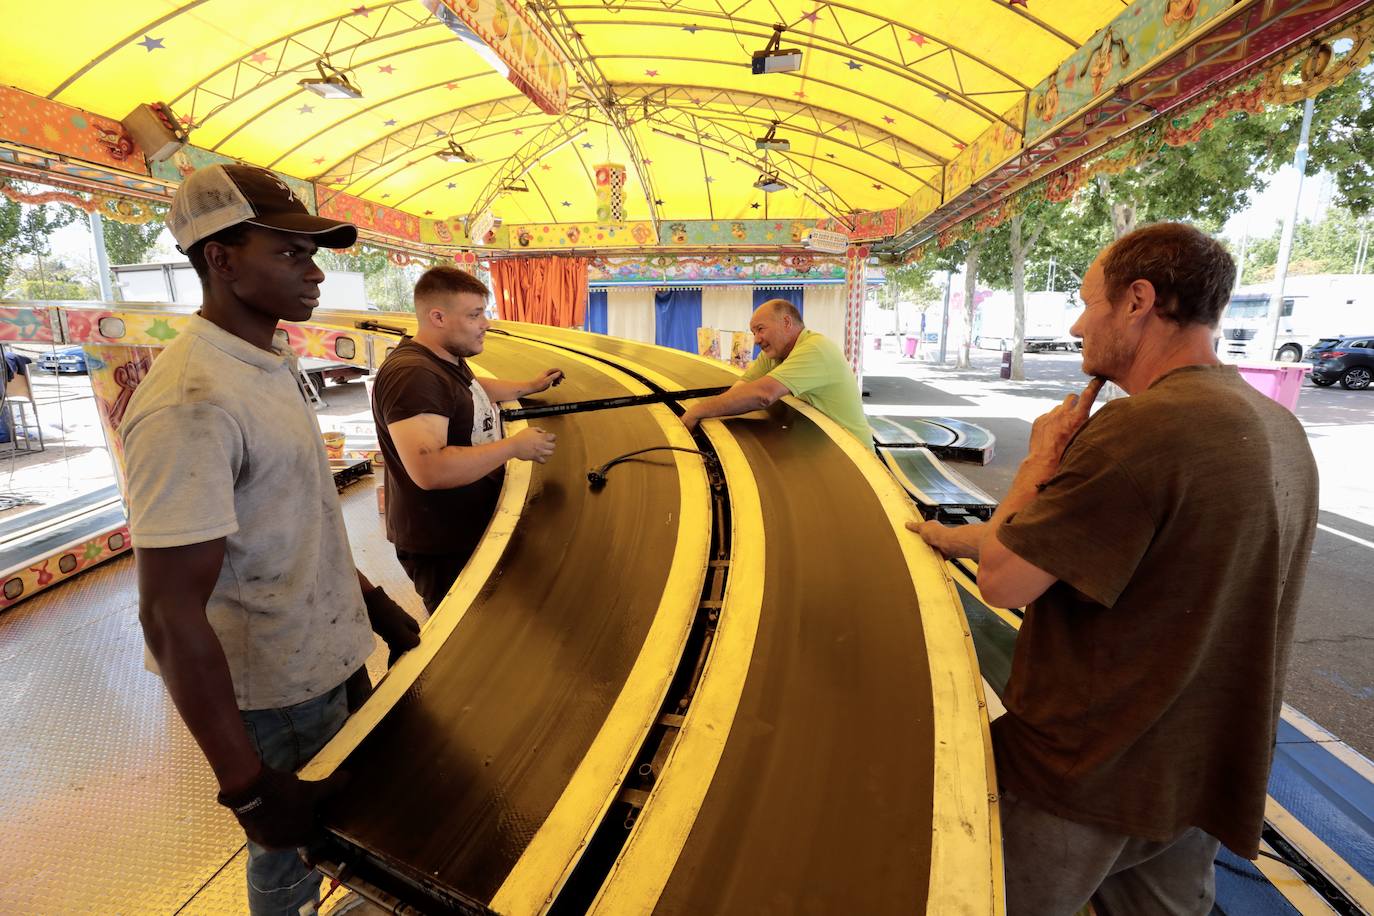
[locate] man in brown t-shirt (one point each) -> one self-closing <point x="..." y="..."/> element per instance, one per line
<point x="1160" y="547"/>
<point x="440" y="434"/>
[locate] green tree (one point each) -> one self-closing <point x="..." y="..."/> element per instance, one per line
<point x="11" y="214"/>
<point x="26" y="232"/>
<point x="1328" y="246"/>
<point x="52" y="280"/>
<point x="129" y="243"/>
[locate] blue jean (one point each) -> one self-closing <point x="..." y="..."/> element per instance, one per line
<point x="279" y="883"/>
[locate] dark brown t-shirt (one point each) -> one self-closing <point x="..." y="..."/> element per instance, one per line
<point x="414" y="381"/>
<point x="1146" y="684"/>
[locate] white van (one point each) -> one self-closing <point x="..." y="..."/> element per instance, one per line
<point x="1314" y="307"/>
<point x="1049" y="316"/>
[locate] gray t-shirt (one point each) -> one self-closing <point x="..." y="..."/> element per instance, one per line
<point x="219" y="443"/>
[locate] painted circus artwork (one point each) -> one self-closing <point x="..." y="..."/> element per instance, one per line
<point x="1140" y="35"/>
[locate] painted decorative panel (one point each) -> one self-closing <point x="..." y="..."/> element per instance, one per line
<point x="1116" y="53"/>
<point x="35" y="121"/>
<point x="368" y="216"/>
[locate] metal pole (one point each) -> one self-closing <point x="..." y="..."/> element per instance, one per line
<point x="1286" y="242"/>
<point x="1240" y="264"/>
<point x="944" y="317"/>
<point x="102" y="261"/>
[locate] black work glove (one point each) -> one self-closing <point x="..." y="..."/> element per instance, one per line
<point x="398" y="630"/>
<point x="279" y="810"/>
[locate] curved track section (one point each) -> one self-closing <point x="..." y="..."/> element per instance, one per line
<point x="849" y="769"/>
<point x="507" y="747"/>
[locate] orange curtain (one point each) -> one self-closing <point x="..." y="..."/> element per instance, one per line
<point x="541" y="290"/>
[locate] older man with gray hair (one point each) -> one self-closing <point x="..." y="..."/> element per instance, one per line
<point x="795" y="360"/>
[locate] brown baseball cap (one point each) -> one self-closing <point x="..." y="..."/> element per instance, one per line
<point x="219" y="196"/>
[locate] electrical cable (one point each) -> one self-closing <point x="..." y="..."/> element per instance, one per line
<point x="597" y="476"/>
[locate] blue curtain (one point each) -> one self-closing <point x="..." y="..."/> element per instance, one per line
<point x="677" y="314"/>
<point x="596" y="311"/>
<point x="795" y="296"/>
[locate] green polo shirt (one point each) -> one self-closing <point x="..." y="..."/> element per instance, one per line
<point x="817" y="372"/>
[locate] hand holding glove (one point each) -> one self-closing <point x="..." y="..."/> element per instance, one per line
<point x="279" y="810"/>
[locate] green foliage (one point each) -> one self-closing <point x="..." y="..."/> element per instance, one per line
<point x="1325" y="247"/>
<point x="10" y="215"/>
<point x="129" y="243"/>
<point x="39" y="279"/>
<point x="913" y="283"/>
<point x="388" y="287"/>
<point x="1342" y="140"/>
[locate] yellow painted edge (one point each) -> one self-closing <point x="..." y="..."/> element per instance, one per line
<point x="438" y="628"/>
<point x="1291" y="884"/>
<point x="637" y="879"/>
<point x="966" y="838"/>
<point x="400" y="676"/>
<point x="549" y="859"/>
<point x="1355" y="886"/>
<point x="1333" y="745"/>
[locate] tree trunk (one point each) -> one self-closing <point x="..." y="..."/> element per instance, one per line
<point x="975" y="253"/>
<point x="1123" y="214"/>
<point x="1018" y="298"/>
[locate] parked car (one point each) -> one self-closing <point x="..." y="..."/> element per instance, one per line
<point x="1348" y="360"/>
<point x="68" y="359"/>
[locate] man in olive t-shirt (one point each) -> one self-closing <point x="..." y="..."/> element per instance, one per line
<point x="440" y="434"/>
<point x="793" y="360"/>
<point x="1161" y="548"/>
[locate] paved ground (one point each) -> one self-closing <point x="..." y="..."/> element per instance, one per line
<point x="1331" y="676"/>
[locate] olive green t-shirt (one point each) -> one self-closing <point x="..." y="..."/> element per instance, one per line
<point x="1146" y="683"/>
<point x="817" y="372"/>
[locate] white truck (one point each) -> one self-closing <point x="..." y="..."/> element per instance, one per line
<point x="176" y="282"/>
<point x="1314" y="307"/>
<point x="1049" y="316"/>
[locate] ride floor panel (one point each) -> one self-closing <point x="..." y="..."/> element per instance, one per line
<point x="822" y="799"/>
<point x="451" y="787"/>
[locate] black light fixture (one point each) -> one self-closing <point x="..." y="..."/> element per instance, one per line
<point x="455" y="153"/>
<point x="771" y="140"/>
<point x="774" y="58"/>
<point x="770" y="182"/>
<point x="515" y="186"/>
<point x="331" y="84"/>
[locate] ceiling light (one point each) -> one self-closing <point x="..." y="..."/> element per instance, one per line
<point x="771" y="141"/>
<point x="774" y="58"/>
<point x="455" y="153"/>
<point x="515" y="186"/>
<point x="332" y="84"/>
<point x="769" y="183"/>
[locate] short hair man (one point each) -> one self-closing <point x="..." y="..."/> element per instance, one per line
<point x="793" y="359"/>
<point x="248" y="596"/>
<point x="1161" y="547"/>
<point x="440" y="434"/>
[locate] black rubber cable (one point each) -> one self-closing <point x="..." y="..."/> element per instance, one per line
<point x="596" y="477"/>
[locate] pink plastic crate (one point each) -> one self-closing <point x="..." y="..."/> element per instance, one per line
<point x="1280" y="382"/>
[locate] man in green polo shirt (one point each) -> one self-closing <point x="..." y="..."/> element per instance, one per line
<point x="792" y="360"/>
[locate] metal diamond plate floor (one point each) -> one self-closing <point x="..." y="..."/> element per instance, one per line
<point x="107" y="804"/>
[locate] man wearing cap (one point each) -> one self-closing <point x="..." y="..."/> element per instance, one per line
<point x="248" y="596"/>
<point x="792" y="360"/>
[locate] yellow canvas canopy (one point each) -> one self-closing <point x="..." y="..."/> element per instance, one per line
<point x="889" y="111"/>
